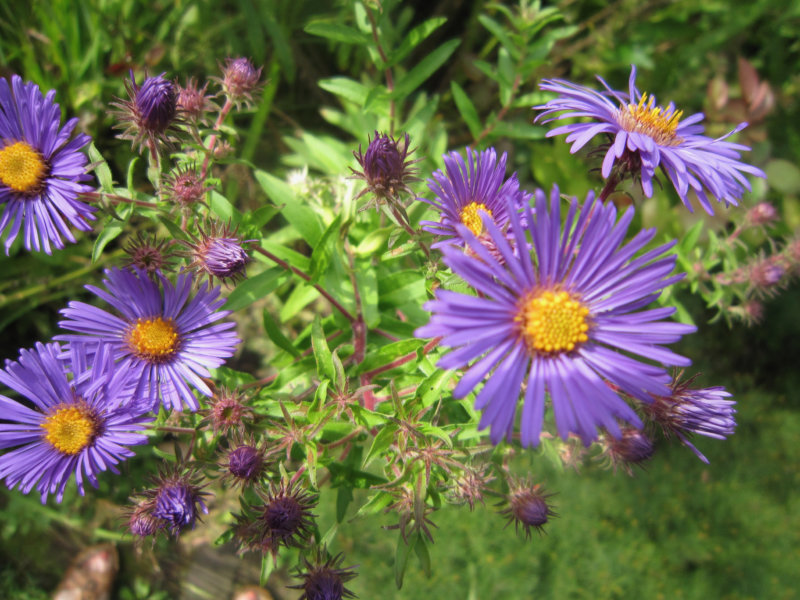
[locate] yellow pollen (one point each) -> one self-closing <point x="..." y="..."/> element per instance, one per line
<point x="70" y="428"/>
<point x="153" y="339"/>
<point x="653" y="121"/>
<point x="553" y="322"/>
<point x="472" y="218"/>
<point x="21" y="167"/>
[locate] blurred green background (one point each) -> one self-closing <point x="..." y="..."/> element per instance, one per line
<point x="679" y="529"/>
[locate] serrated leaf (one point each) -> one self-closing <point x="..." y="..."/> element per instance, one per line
<point x="322" y="354"/>
<point x="409" y="82"/>
<point x="276" y="335"/>
<point x="467" y="109"/>
<point x="254" y="288"/>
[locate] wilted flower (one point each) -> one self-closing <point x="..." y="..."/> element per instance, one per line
<point x="141" y="522"/>
<point x="240" y="80"/>
<point x="705" y="411"/>
<point x="565" y="323"/>
<point x="81" y="421"/>
<point x="324" y="580"/>
<point x="192" y="100"/>
<point x="527" y="507"/>
<point x="284" y="519"/>
<point x="164" y="339"/>
<point x="385" y="167"/>
<point x="466" y="191"/>
<point x="148" y="117"/>
<point x="645" y="135"/>
<point x="41" y="171"/>
<point x="185" y="187"/>
<point x="148" y="254"/>
<point x="219" y="253"/>
<point x="633" y="447"/>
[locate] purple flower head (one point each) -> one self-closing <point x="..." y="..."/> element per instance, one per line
<point x="527" y="507"/>
<point x="467" y="190"/>
<point x="177" y="499"/>
<point x="148" y="254"/>
<point x="164" y="339"/>
<point x="245" y="463"/>
<point x="141" y="522"/>
<point x="567" y="324"/>
<point x="240" y="80"/>
<point x="324" y="580"/>
<point x="82" y="420"/>
<point x="385" y="167"/>
<point x="633" y="447"/>
<point x="685" y="411"/>
<point x="645" y="135"/>
<point x="192" y="100"/>
<point x="220" y="253"/>
<point x="149" y="116"/>
<point x="41" y="170"/>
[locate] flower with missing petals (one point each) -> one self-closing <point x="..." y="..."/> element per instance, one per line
<point x="42" y="171"/>
<point x="164" y="339"/>
<point x="527" y="507"/>
<point x="148" y="117"/>
<point x="79" y="419"/>
<point x="645" y="135"/>
<point x="385" y="167"/>
<point x="565" y="324"/>
<point x="465" y="191"/>
<point x="240" y="80"/>
<point x="705" y="411"/>
<point x="324" y="580"/>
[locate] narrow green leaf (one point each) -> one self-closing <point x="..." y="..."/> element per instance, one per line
<point x="467" y="109"/>
<point x="101" y="170"/>
<point x="374" y="505"/>
<point x="336" y="32"/>
<point x="323" y="251"/>
<point x="276" y="335"/>
<point x="380" y="443"/>
<point x="344" y="496"/>
<point x="300" y="297"/>
<point x="499" y="32"/>
<point x="401" y="554"/>
<point x="301" y="217"/>
<point x="322" y="354"/>
<point x="346" y="88"/>
<point x="416" y="36"/>
<point x="267" y="565"/>
<point x="110" y="231"/>
<point x="409" y="82"/>
<point x="421" y="550"/>
<point x="255" y="288"/>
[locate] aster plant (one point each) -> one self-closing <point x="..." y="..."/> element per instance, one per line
<point x="644" y="135"/>
<point x="43" y="172"/>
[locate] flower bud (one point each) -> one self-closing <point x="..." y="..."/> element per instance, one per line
<point x="150" y="113"/>
<point x="762" y="213"/>
<point x="192" y="101"/>
<point x="240" y="80"/>
<point x="384" y="167"/>
<point x="527" y="507"/>
<point x="632" y="447"/>
<point x="324" y="580"/>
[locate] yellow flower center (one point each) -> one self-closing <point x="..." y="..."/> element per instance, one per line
<point x="472" y="218"/>
<point x="652" y="121"/>
<point x="153" y="339"/>
<point x="70" y="428"/>
<point x="22" y="168"/>
<point x="553" y="322"/>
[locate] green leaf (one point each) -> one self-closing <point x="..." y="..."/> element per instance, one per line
<point x="380" y="443"/>
<point x="519" y="130"/>
<point x="110" y="231"/>
<point x="267" y="565"/>
<point x="409" y="82"/>
<point x="254" y="288"/>
<point x="416" y="36"/>
<point x="401" y="554"/>
<point x="467" y="109"/>
<point x="101" y="170"/>
<point x="346" y="88"/>
<point x="386" y="354"/>
<point x="375" y="505"/>
<point x="344" y="496"/>
<point x="297" y="301"/>
<point x="499" y="32"/>
<point x="323" y="251"/>
<point x="372" y="242"/>
<point x="276" y="335"/>
<point x="222" y="207"/>
<point x="322" y="354"/>
<point x="301" y="217"/>
<point x="174" y="230"/>
<point x="336" y="32"/>
<point x="424" y="556"/>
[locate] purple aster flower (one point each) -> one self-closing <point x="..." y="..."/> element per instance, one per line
<point x="41" y="170"/>
<point x="81" y="421"/>
<point x="149" y="116"/>
<point x="467" y="189"/>
<point x="645" y="135"/>
<point x="705" y="411"/>
<point x="166" y="340"/>
<point x="565" y="323"/>
<point x="175" y="503"/>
